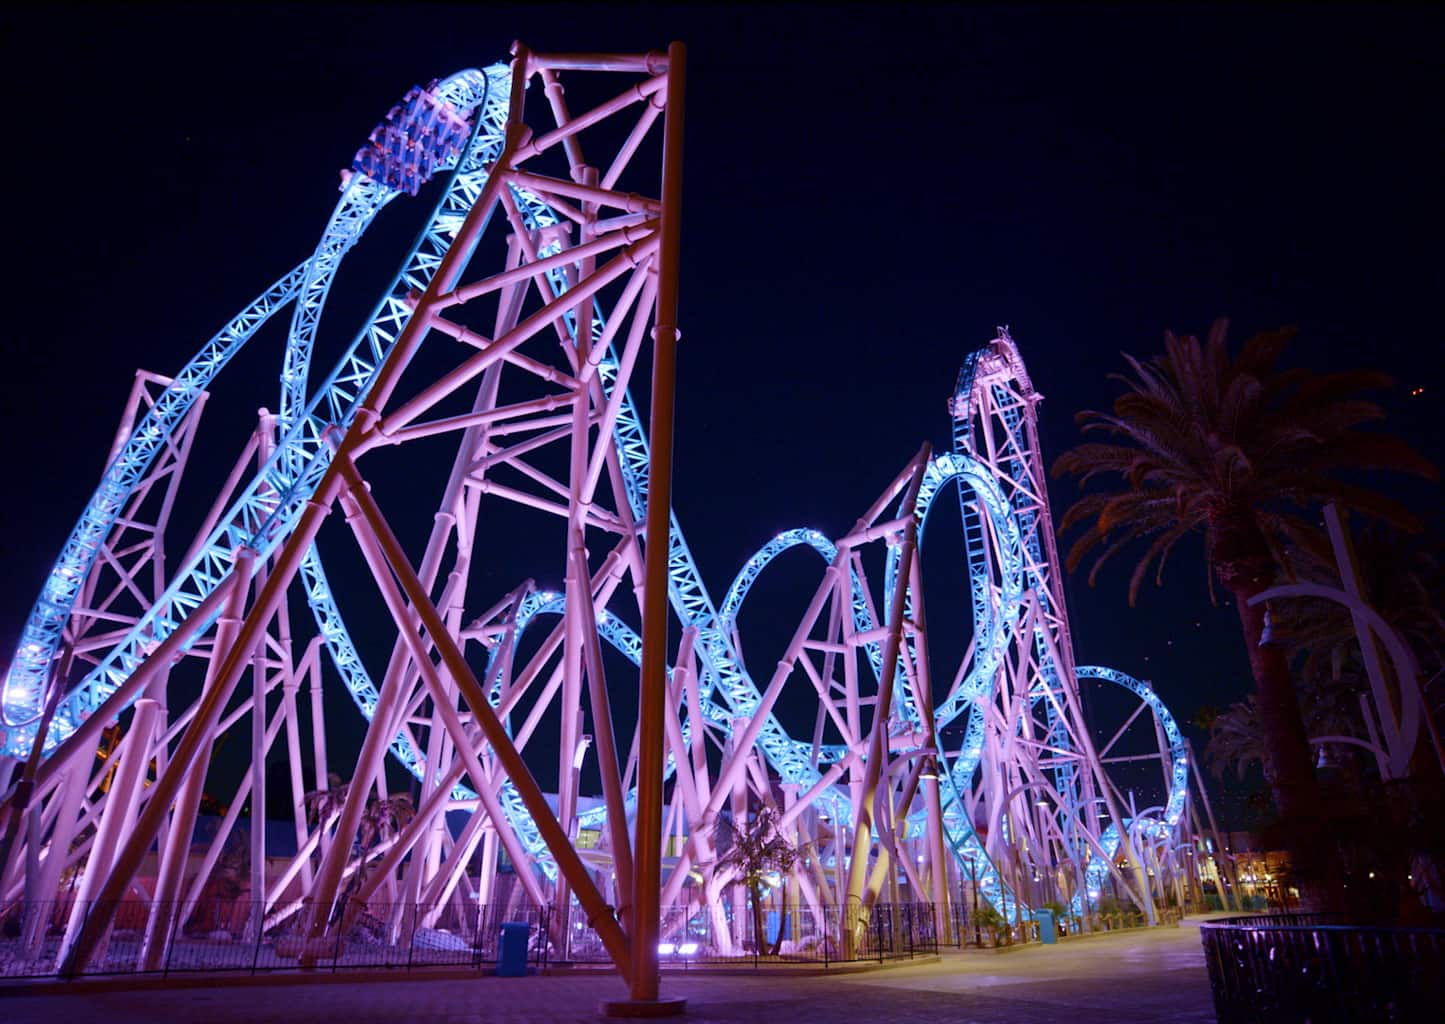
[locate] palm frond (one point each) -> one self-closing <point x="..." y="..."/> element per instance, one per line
<point x="1199" y="441"/>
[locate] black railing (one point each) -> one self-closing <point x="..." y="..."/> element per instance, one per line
<point x="825" y="934"/>
<point x="236" y="936"/>
<point x="1316" y="968"/>
<point x="972" y="930"/>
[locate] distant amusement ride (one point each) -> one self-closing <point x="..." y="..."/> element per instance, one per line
<point x="540" y="286"/>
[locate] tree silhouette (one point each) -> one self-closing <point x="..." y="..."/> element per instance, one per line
<point x="757" y="850"/>
<point x="1240" y="451"/>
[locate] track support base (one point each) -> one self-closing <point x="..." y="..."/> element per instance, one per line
<point x="642" y="1007"/>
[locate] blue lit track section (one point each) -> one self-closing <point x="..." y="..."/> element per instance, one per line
<point x="41" y="637"/>
<point x="743" y="582"/>
<point x="1178" y="751"/>
<point x="976" y="689"/>
<point x="999" y="553"/>
<point x="994" y="598"/>
<point x="462" y="120"/>
<point x="798" y="765"/>
<point x="488" y="98"/>
<point x="267" y="510"/>
<point x="1173" y="811"/>
<point x="485" y="95"/>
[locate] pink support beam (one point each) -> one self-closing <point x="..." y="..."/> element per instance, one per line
<point x="542" y="349"/>
<point x="648" y="828"/>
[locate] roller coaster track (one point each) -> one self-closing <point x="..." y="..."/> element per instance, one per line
<point x="1006" y="529"/>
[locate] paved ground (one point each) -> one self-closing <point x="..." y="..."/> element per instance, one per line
<point x="1139" y="976"/>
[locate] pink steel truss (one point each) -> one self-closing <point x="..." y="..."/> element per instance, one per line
<point x="524" y="375"/>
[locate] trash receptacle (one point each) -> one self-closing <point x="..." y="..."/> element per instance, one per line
<point x="512" y="949"/>
<point x="1048" y="930"/>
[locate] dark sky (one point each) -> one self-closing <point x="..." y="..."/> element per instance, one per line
<point x="868" y="192"/>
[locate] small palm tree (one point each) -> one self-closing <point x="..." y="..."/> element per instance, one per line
<point x="380" y="820"/>
<point x="1235" y="738"/>
<point x="991" y="921"/>
<point x="321" y="804"/>
<point x="757" y="850"/>
<point x="1236" y="449"/>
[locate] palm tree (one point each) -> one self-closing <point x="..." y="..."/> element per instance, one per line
<point x="381" y="819"/>
<point x="1402" y="577"/>
<point x="758" y="849"/>
<point x="1235" y="738"/>
<point x="1238" y="450"/>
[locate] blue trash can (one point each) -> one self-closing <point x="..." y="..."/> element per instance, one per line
<point x="512" y="949"/>
<point x="1048" y="930"/>
<point x="773" y="927"/>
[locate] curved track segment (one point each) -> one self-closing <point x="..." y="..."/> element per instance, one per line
<point x="41" y="638"/>
<point x="1017" y="693"/>
<point x="262" y="518"/>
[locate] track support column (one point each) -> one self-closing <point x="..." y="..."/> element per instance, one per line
<point x="647" y="837"/>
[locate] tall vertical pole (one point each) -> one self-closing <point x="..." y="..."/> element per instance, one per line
<point x="1224" y="866"/>
<point x="646" y="844"/>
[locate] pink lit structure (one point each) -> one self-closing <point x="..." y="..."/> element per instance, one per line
<point x="530" y="396"/>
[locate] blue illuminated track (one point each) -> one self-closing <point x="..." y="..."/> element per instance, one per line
<point x="1001" y="541"/>
<point x="41" y="636"/>
<point x="266" y="512"/>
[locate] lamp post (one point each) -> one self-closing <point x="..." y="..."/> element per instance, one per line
<point x="973" y="884"/>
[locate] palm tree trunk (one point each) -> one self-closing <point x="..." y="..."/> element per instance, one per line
<point x="1291" y="768"/>
<point x="1289" y="765"/>
<point x="759" y="936"/>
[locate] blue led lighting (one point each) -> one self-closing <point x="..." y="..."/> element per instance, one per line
<point x="456" y="126"/>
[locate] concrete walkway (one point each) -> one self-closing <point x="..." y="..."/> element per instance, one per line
<point x="1134" y="976"/>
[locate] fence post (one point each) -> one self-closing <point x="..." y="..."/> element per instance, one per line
<point x="177" y="928"/>
<point x="879" y="919"/>
<point x="60" y="960"/>
<point x="411" y="936"/>
<point x="340" y="935"/>
<point x="259" y="914"/>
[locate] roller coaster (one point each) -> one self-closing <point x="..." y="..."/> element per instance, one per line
<point x="131" y="669"/>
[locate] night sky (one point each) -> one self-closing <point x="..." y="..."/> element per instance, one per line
<point x="868" y="193"/>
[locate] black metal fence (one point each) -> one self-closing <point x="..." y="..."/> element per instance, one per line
<point x="972" y="929"/>
<point x="824" y="934"/>
<point x="233" y="935"/>
<point x="1316" y="968"/>
<point x="236" y="936"/>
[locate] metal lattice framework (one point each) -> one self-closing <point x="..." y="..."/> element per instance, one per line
<point x="537" y="407"/>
